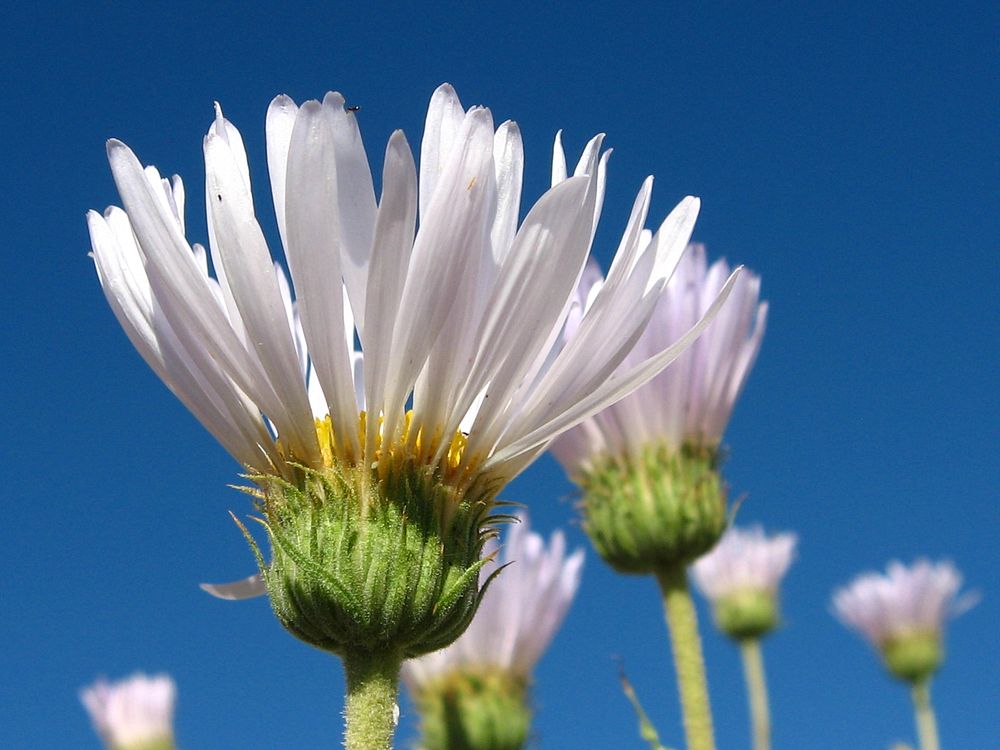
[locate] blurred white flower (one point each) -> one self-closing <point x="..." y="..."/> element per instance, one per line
<point x="519" y="615"/>
<point x="744" y="560"/>
<point x="690" y="402"/>
<point x="135" y="712"/>
<point x="457" y="317"/>
<point x="906" y="601"/>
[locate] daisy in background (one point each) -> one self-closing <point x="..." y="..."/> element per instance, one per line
<point x="648" y="467"/>
<point x="136" y="713"/>
<point x="902" y="614"/>
<point x="740" y="577"/>
<point x="376" y="470"/>
<point x="474" y="693"/>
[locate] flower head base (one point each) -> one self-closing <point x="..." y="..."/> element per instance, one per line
<point x="740" y="576"/>
<point x="473" y="694"/>
<point x="648" y="465"/>
<point x="462" y="379"/>
<point x="350" y="573"/>
<point x="133" y="714"/>
<point x="654" y="511"/>
<point x="474" y="710"/>
<point x="903" y="614"/>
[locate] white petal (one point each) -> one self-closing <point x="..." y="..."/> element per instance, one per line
<point x="315" y="260"/>
<point x="394" y="231"/>
<point x="455" y="220"/>
<point x="355" y="202"/>
<point x="508" y="164"/>
<point x="286" y="299"/>
<point x="627" y="253"/>
<point x="441" y="128"/>
<point x="226" y="131"/>
<point x="128" y="291"/>
<point x="558" y="160"/>
<point x="278" y="126"/>
<point x="169" y="257"/>
<point x="539" y="274"/>
<point x="615" y="388"/>
<point x="246" y="588"/>
<point x="250" y="271"/>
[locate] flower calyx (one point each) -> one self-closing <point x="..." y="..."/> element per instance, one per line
<point x="655" y="510"/>
<point x="369" y="563"/>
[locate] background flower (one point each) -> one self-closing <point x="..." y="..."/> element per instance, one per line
<point x="744" y="559"/>
<point x="521" y="612"/>
<point x="134" y="712"/>
<point x="691" y="402"/>
<point x="915" y="599"/>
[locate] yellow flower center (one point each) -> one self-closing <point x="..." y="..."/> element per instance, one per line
<point x="455" y="464"/>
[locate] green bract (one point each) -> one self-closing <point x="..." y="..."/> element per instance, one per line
<point x="661" y="509"/>
<point x="474" y="710"/>
<point x="164" y="743"/>
<point x="747" y="614"/>
<point x="368" y="564"/>
<point x="913" y="657"/>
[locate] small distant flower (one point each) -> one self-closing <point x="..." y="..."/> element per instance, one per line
<point x="740" y="576"/>
<point x="133" y="714"/>
<point x="691" y="401"/>
<point x="916" y="599"/>
<point x="903" y="613"/>
<point x="744" y="559"/>
<point x="520" y="614"/>
<point x="474" y="693"/>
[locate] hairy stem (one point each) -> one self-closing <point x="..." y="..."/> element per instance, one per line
<point x="682" y="622"/>
<point x="753" y="671"/>
<point x="372" y="686"/>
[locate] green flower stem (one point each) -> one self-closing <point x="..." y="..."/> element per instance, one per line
<point x="682" y="622"/>
<point x="372" y="686"/>
<point x="753" y="671"/>
<point x="926" y="723"/>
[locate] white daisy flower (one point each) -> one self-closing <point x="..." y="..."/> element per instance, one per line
<point x="458" y="315"/>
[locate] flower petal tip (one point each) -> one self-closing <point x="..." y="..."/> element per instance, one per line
<point x="246" y="588"/>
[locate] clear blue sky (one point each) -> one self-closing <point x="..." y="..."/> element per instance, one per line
<point x="847" y="152"/>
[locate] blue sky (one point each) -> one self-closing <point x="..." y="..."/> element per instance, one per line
<point x="846" y="152"/>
